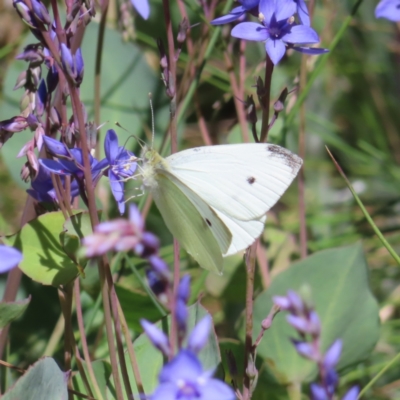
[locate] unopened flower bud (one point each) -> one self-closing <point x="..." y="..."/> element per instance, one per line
<point x="36" y="75"/>
<point x="41" y="98"/>
<point x="199" y="335"/>
<point x="40" y="12"/>
<point x="55" y="147"/>
<point x="25" y="148"/>
<point x="52" y="79"/>
<point x="55" y="119"/>
<point x="25" y="172"/>
<point x="184" y="288"/>
<point x="33" y="162"/>
<point x="183" y="27"/>
<point x="14" y="124"/>
<point x="39" y="135"/>
<point x="156" y="336"/>
<point x="21" y="80"/>
<point x="25" y="13"/>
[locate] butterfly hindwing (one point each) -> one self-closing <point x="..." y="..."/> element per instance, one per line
<point x="191" y="221"/>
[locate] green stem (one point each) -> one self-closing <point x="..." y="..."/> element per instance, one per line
<point x="365" y="212"/>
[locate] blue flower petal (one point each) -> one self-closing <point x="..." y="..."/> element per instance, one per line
<point x="54" y="166"/>
<point x="9" y="258"/>
<point x="267" y="8"/>
<point x="249" y="4"/>
<point x="235" y="14"/>
<point x="142" y="7"/>
<point x="276" y="50"/>
<point x="302" y="12"/>
<point x="166" y="391"/>
<point x="216" y="389"/>
<point x="301" y="34"/>
<point x="111" y="146"/>
<point x="285" y="9"/>
<point x="389" y="9"/>
<point x="185" y="366"/>
<point x="250" y="31"/>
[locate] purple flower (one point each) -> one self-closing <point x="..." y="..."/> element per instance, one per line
<point x="389" y="9"/>
<point x="42" y="188"/>
<point x="122" y="165"/>
<point x="142" y="7"/>
<point x="277" y="29"/>
<point x="184" y="378"/>
<point x="250" y="6"/>
<point x="9" y="258"/>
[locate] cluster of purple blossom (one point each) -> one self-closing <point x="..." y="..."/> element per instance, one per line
<point x="277" y="26"/>
<point x="305" y="320"/>
<point x="119" y="164"/>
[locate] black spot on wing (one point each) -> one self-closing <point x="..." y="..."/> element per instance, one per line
<point x="291" y="160"/>
<point x="251" y="179"/>
<point x="208" y="222"/>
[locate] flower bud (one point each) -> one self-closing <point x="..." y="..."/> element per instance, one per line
<point x="21" y="80"/>
<point x="156" y="336"/>
<point x="40" y="12"/>
<point x="14" y="124"/>
<point x="184" y="289"/>
<point x="52" y="79"/>
<point x="41" y="98"/>
<point x="55" y="147"/>
<point x="25" y="13"/>
<point x="182" y="29"/>
<point x="39" y="135"/>
<point x="55" y="119"/>
<point x="199" y="335"/>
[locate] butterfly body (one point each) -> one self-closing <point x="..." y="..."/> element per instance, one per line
<point x="214" y="199"/>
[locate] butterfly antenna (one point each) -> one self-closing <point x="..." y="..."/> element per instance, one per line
<point x="152" y="119"/>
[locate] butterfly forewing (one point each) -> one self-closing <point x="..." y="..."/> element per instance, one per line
<point x="242" y="181"/>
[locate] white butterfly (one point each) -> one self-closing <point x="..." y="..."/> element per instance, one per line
<point x="214" y="199"/>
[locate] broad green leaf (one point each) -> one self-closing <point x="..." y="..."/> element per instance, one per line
<point x="338" y="279"/>
<point x="150" y="359"/>
<point x="45" y="261"/>
<point x="135" y="306"/>
<point x="74" y="230"/>
<point x="11" y="311"/>
<point x="43" y="380"/>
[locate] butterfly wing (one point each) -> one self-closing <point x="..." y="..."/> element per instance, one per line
<point x="242" y="181"/>
<point x="244" y="233"/>
<point x="192" y="222"/>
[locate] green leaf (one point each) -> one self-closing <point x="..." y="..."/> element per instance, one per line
<point x="150" y="359"/>
<point x="338" y="279"/>
<point x="143" y="306"/>
<point x="45" y="261"/>
<point x="43" y="380"/>
<point x="11" y="311"/>
<point x="75" y="229"/>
